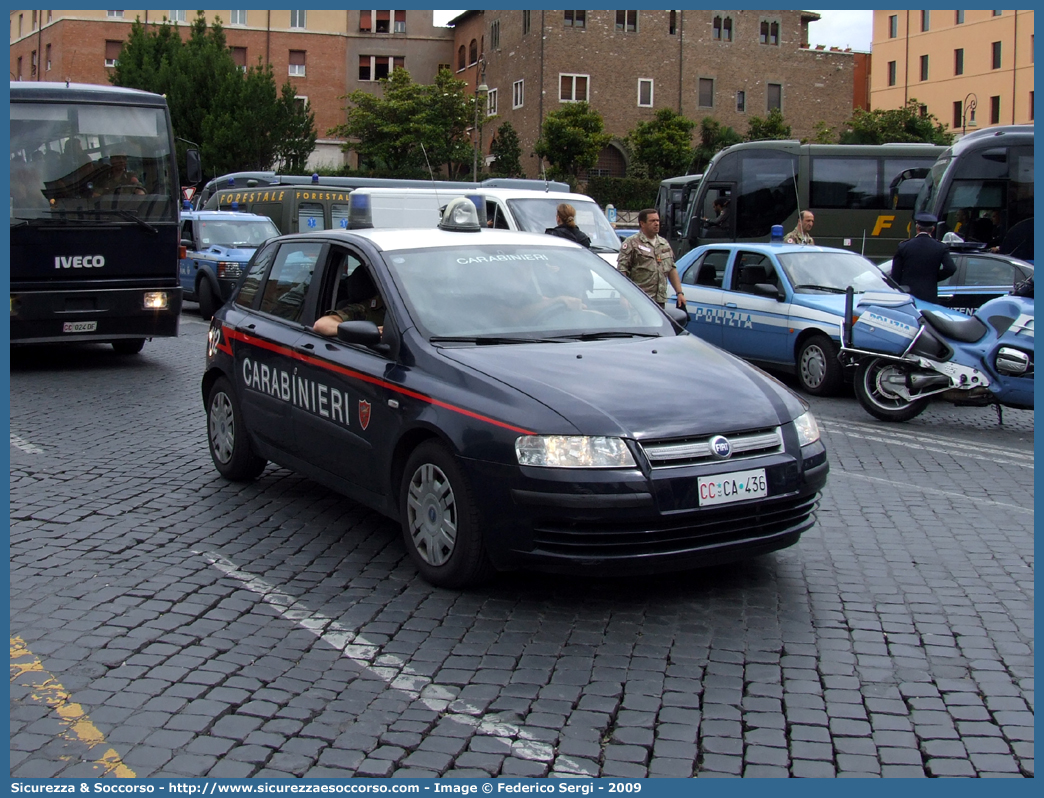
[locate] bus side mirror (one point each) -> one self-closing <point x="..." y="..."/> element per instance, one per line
<point x="193" y="166"/>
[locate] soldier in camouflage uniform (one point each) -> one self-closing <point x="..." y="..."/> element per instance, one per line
<point x="648" y="260"/>
<point x="800" y="234"/>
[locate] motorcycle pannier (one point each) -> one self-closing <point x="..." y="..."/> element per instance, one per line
<point x="886" y="330"/>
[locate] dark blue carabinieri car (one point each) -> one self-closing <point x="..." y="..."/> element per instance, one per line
<point x="513" y="400"/>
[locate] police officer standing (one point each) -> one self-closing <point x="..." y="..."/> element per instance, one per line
<point x="648" y="260"/>
<point x="921" y="263"/>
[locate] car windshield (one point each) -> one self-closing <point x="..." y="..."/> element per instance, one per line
<point x="831" y="272"/>
<point x="238" y="233"/>
<point x="536" y="214"/>
<point x="504" y="294"/>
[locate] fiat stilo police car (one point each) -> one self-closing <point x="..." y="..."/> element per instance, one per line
<point x="511" y="399"/>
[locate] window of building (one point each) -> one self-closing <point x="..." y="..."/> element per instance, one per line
<point x="47" y="62"/>
<point x="447" y="67"/>
<point x="32" y="64"/>
<point x="645" y="92"/>
<point x="959" y="17"/>
<point x="775" y="96"/>
<point x="769" y="32"/>
<point x="491" y="102"/>
<point x="741" y="101"/>
<point x="35" y="21"/>
<point x="178" y="16"/>
<point x="995" y="109"/>
<point x="926" y="20"/>
<point x="114" y="14"/>
<point x="301" y="102"/>
<point x="958" y="114"/>
<point x="892" y="72"/>
<point x="473" y="52"/>
<point x="958" y="61"/>
<point x="923" y="110"/>
<point x="575" y="19"/>
<point x="378" y="67"/>
<point x="365" y="22"/>
<point x="19" y="75"/>
<point x="49" y="18"/>
<point x="494" y="34"/>
<point x="893" y="26"/>
<point x="996" y="55"/>
<point x="573" y="88"/>
<point x="527" y="21"/>
<point x="400" y="22"/>
<point x="462" y="58"/>
<point x="518" y="94"/>
<point x="239" y="56"/>
<point x="112" y="53"/>
<point x="672" y="24"/>
<point x="924" y="67"/>
<point x="297" y="63"/>
<point x="627" y="21"/>
<point x="1031" y="107"/>
<point x="997" y="13"/>
<point x="237" y="17"/>
<point x="297" y="19"/>
<point x="706" y="96"/>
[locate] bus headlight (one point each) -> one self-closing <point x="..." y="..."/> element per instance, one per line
<point x="573" y="451"/>
<point x="155" y="300"/>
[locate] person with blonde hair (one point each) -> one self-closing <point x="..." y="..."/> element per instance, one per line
<point x="565" y="217"/>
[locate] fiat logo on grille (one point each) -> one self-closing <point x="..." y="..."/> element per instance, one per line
<point x="720" y="447"/>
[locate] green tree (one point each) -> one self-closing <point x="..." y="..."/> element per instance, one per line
<point x="388" y="131"/>
<point x="233" y="116"/>
<point x="884" y="125"/>
<point x="771" y="127"/>
<point x="507" y="152"/>
<point x="571" y="139"/>
<point x="663" y="145"/>
<point x="824" y="134"/>
<point x="713" y="138"/>
<point x="297" y="134"/>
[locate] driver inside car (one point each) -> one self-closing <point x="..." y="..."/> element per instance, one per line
<point x="362" y="302"/>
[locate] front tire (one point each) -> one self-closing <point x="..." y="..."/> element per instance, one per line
<point x="207" y="300"/>
<point x="128" y="346"/>
<point x="440" y="524"/>
<point x="880" y="399"/>
<point x="818" y="369"/>
<point x="227" y="437"/>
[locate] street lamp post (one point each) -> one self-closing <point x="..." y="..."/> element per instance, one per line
<point x="969" y="109"/>
<point x="481" y="90"/>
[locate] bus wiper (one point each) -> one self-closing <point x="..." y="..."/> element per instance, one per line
<point x="123" y="214"/>
<point x="488" y="340"/>
<point x="828" y="288"/>
<point x="606" y="334"/>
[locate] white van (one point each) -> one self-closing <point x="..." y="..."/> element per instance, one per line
<point x="505" y="208"/>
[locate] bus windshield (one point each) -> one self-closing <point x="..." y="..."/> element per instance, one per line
<point x="80" y="162"/>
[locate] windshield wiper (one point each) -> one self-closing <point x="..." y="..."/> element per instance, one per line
<point x="600" y="248"/>
<point x="63" y="216"/>
<point x="487" y="340"/>
<point x="828" y="288"/>
<point x="606" y="334"/>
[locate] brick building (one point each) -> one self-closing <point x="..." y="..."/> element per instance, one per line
<point x="726" y="64"/>
<point x="325" y="54"/>
<point x="946" y="60"/>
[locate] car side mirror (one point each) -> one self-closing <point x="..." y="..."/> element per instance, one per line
<point x="768" y="289"/>
<point x="679" y="316"/>
<point x="364" y="333"/>
<point x="188" y="243"/>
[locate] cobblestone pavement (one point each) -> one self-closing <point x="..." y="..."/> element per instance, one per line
<point x="203" y="628"/>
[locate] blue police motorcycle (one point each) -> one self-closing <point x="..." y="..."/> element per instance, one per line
<point x="905" y="357"/>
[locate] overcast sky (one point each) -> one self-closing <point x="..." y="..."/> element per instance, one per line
<point x="835" y="29"/>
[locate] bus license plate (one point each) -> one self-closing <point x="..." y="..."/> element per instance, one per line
<point x="79" y="326"/>
<point x="734" y="487"/>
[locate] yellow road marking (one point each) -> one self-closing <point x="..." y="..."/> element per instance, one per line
<point x="29" y="672"/>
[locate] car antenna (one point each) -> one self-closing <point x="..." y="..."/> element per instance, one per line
<point x="424" y="152"/>
<point x="543" y="172"/>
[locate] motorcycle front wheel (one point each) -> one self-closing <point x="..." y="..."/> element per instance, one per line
<point x="876" y="387"/>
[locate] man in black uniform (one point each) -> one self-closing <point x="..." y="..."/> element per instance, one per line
<point x="921" y="263"/>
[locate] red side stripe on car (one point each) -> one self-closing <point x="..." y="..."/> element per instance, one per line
<point x="250" y="340"/>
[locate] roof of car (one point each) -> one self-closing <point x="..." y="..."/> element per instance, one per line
<point x="214" y="215"/>
<point x="779" y="249"/>
<point x="421" y="238"/>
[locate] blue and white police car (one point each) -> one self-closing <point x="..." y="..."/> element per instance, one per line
<point x="778" y="305"/>
<point x="510" y="398"/>
<point x="215" y="246"/>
